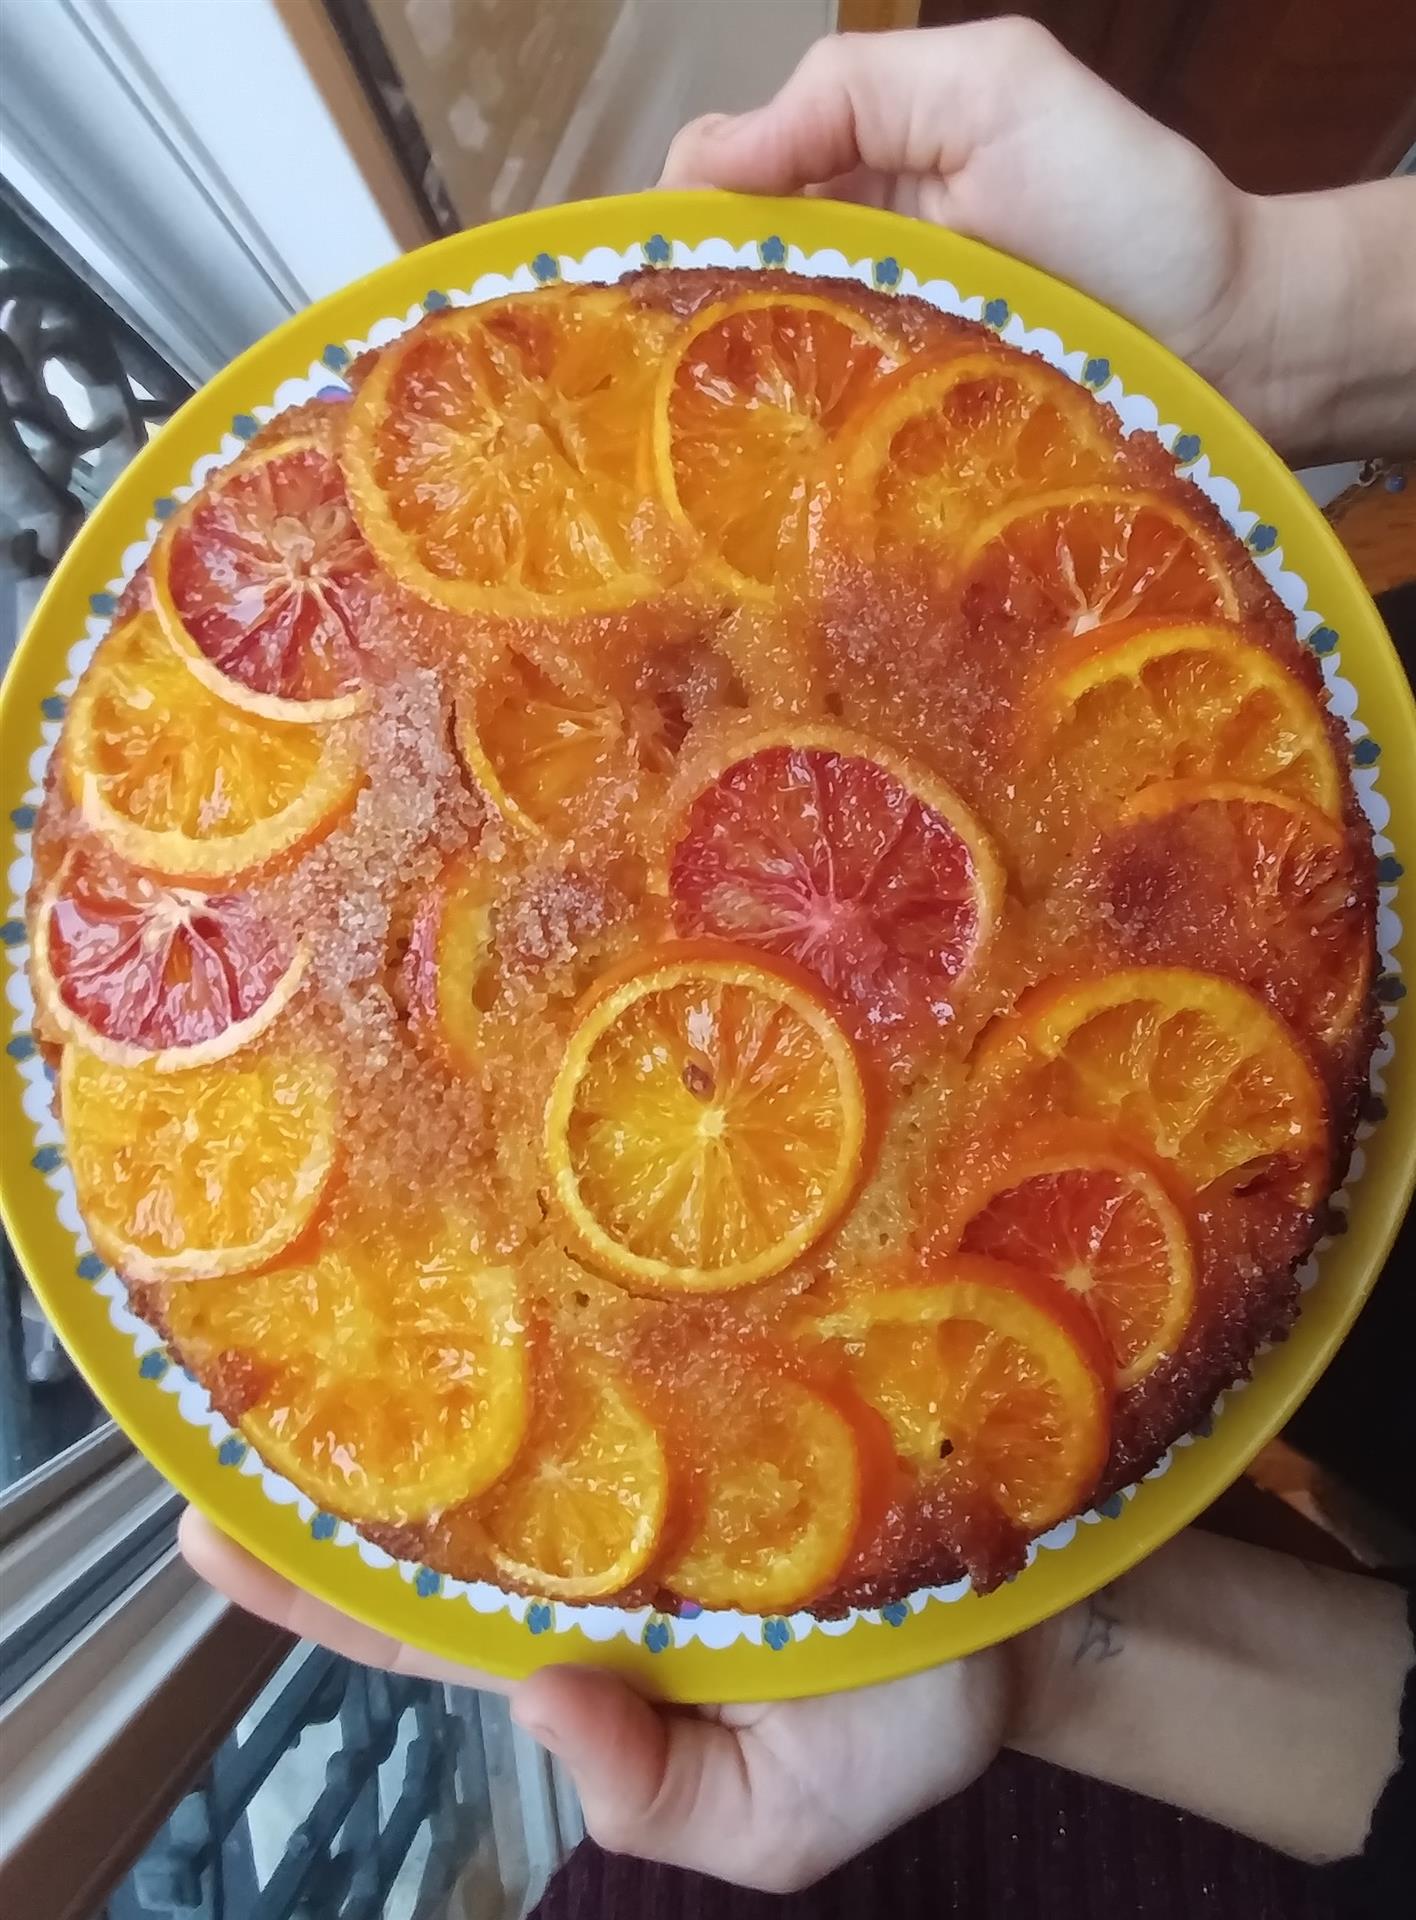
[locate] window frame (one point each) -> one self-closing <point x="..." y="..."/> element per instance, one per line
<point x="195" y="231"/>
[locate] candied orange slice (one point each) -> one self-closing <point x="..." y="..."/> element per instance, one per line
<point x="548" y="756"/>
<point x="580" y="1513"/>
<point x="945" y="439"/>
<point x="1197" y="1068"/>
<point x="212" y="1170"/>
<point x="186" y="785"/>
<point x="1081" y="1207"/>
<point x="1083" y="557"/>
<point x="136" y="971"/>
<point x="449" y="971"/>
<point x="750" y="408"/>
<point x="781" y="1501"/>
<point x="1249" y="882"/>
<point x="866" y="869"/>
<point x="1181" y="701"/>
<point x="263" y="580"/>
<point x="496" y="455"/>
<point x="984" y="1370"/>
<point x="383" y="1369"/>
<point x="708" y="1122"/>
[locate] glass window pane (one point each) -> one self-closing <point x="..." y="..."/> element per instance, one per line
<point x="82" y="392"/>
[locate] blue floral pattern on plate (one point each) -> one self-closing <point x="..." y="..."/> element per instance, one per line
<point x="658" y="1633"/>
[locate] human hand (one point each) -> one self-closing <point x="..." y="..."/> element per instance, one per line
<point x="767" y="1796"/>
<point x="1302" y="310"/>
<point x="990" y="128"/>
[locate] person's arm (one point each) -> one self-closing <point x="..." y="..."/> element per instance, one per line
<point x="1251" y="1688"/>
<point x="1301" y="310"/>
<point x="1324" y="326"/>
<point x="1232" y="1682"/>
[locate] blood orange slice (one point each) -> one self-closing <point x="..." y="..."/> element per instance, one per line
<point x="137" y="971"/>
<point x="382" y="1368"/>
<point x="1197" y="1068"/>
<point x="497" y="459"/>
<point x="1084" y="557"/>
<point x="185" y="784"/>
<point x="749" y="412"/>
<point x="945" y="440"/>
<point x="213" y="1170"/>
<point x="782" y="1501"/>
<point x="866" y="869"/>
<point x="1081" y="1207"/>
<point x="1249" y="882"/>
<point x="708" y="1123"/>
<point x="982" y="1371"/>
<point x="264" y="582"/>
<point x="1185" y="701"/>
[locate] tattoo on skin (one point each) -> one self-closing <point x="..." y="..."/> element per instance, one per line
<point x="1101" y="1636"/>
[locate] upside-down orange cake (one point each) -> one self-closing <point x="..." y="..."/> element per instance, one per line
<point x="712" y="945"/>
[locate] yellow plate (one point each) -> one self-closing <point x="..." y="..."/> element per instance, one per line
<point x="771" y="1660"/>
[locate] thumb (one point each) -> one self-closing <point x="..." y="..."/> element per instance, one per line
<point x="653" y="1784"/>
<point x="898" y="103"/>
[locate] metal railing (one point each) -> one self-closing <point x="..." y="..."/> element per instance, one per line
<point x="362" y="1848"/>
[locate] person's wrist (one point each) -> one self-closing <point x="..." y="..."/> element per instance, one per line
<point x="1315" y="340"/>
<point x="1040" y="1664"/>
<point x="1243" y="351"/>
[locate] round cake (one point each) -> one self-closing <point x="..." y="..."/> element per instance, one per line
<point x="708" y="944"/>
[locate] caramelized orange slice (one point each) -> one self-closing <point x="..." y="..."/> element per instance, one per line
<point x="184" y="784"/>
<point x="263" y="581"/>
<point x="781" y="1501"/>
<point x="383" y="1370"/>
<point x="1083" y="557"/>
<point x="137" y="971"/>
<point x="824" y="849"/>
<point x="550" y="757"/>
<point x="1186" y="702"/>
<point x="983" y="1371"/>
<point x="212" y="1170"/>
<point x="944" y="440"/>
<point x="580" y="1513"/>
<point x="751" y="404"/>
<point x="496" y="455"/>
<point x="708" y="1122"/>
<point x="1198" y="1069"/>
<point x="1082" y="1208"/>
<point x="449" y="971"/>
<point x="1249" y="882"/>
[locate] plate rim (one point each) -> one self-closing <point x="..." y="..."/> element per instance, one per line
<point x="498" y="1644"/>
